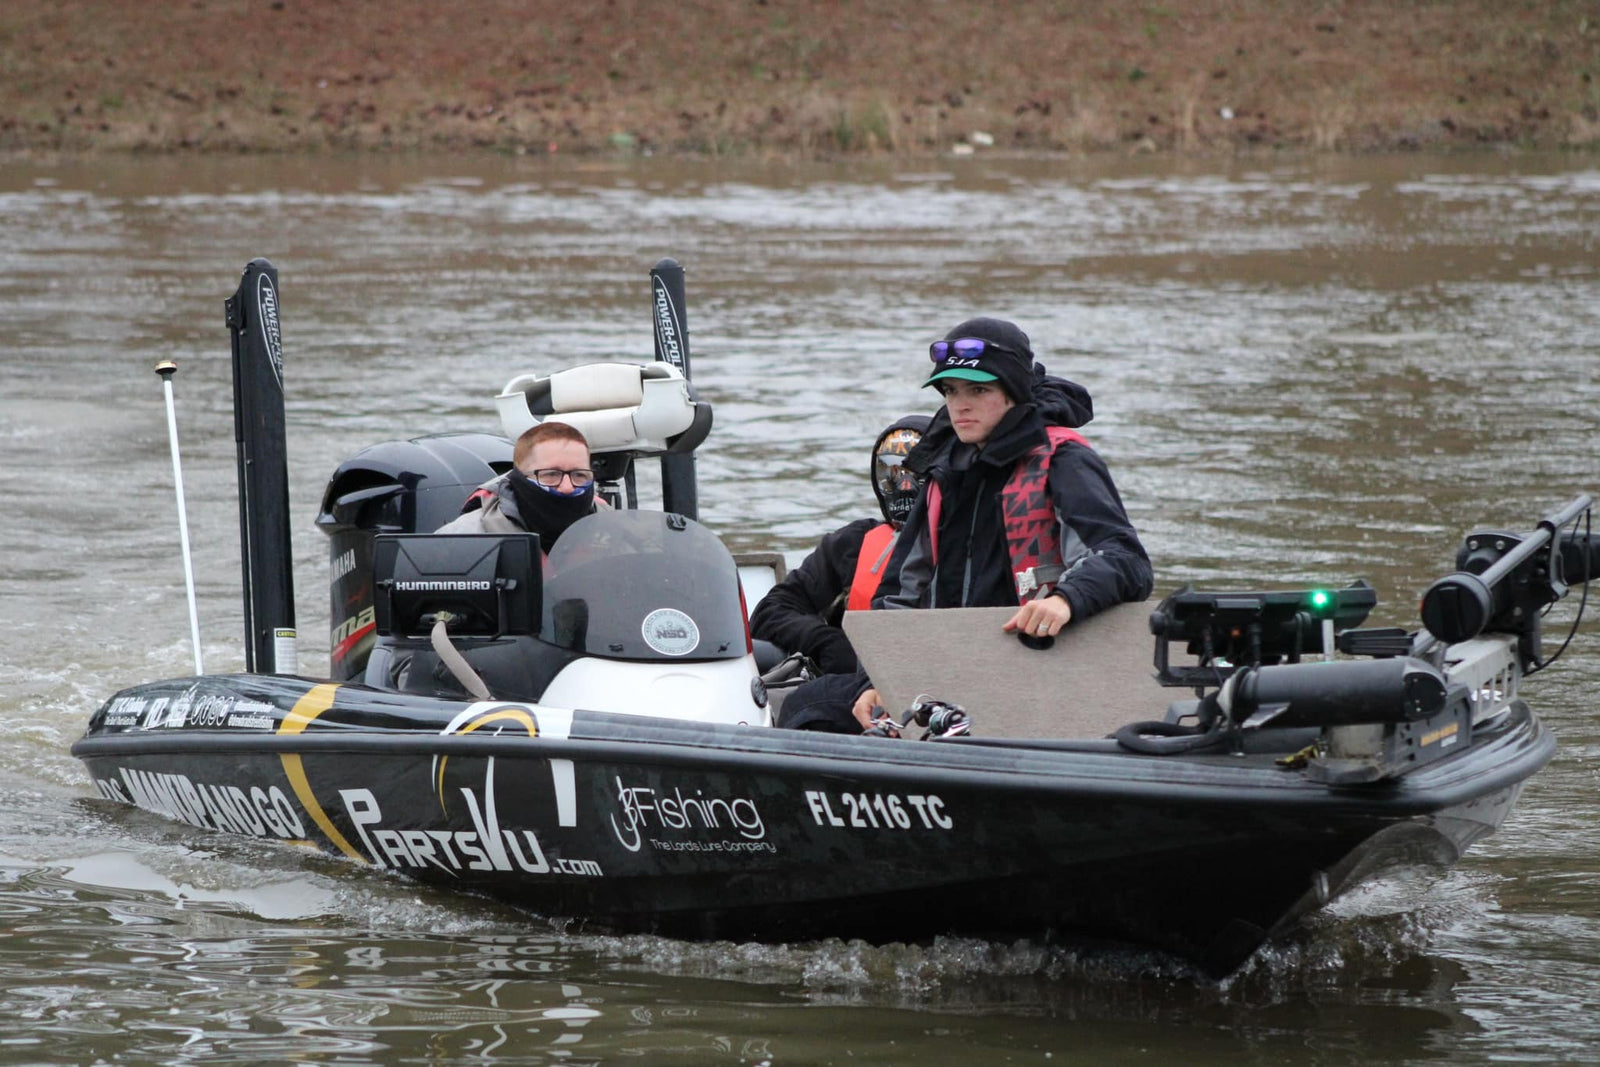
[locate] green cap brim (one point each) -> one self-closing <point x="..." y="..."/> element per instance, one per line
<point x="968" y="373"/>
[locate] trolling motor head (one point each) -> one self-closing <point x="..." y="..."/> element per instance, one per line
<point x="1504" y="580"/>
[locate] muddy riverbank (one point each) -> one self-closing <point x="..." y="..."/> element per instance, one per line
<point x="803" y="78"/>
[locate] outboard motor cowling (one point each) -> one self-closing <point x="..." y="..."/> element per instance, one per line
<point x="412" y="486"/>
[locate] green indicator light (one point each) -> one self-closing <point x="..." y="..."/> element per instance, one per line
<point x="1321" y="598"/>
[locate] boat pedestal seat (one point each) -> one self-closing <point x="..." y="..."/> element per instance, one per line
<point x="624" y="409"/>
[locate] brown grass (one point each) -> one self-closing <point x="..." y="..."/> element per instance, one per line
<point x="815" y="77"/>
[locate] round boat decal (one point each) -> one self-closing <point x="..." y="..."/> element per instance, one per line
<point x="670" y="632"/>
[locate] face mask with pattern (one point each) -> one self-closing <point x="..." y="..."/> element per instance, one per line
<point x="548" y="513"/>
<point x="895" y="485"/>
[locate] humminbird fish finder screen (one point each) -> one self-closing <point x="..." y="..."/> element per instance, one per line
<point x="487" y="585"/>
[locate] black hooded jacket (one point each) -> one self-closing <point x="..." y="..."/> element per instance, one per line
<point x="802" y="612"/>
<point x="1105" y="562"/>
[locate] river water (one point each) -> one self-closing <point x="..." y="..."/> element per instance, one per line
<point x="1304" y="372"/>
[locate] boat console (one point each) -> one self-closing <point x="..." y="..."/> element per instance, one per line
<point x="1404" y="699"/>
<point x="1372" y="716"/>
<point x="632" y="611"/>
<point x="627" y="411"/>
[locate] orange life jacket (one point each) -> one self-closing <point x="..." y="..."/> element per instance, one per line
<point x="869" y="566"/>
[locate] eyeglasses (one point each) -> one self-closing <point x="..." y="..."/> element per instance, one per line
<point x="964" y="348"/>
<point x="550" y="477"/>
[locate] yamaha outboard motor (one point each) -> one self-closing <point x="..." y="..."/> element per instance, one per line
<point x="397" y="487"/>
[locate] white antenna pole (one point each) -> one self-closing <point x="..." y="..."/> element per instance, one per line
<point x="167" y="368"/>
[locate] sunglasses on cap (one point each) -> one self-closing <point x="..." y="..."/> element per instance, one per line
<point x="964" y="348"/>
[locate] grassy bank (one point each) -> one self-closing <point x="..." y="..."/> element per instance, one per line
<point x="811" y="77"/>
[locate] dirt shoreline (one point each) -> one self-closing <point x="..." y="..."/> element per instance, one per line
<point x="806" y="78"/>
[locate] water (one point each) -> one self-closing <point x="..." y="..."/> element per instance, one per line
<point x="1304" y="372"/>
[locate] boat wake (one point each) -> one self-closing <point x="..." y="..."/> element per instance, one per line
<point x="1363" y="938"/>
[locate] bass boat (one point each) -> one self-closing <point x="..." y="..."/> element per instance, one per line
<point x="591" y="739"/>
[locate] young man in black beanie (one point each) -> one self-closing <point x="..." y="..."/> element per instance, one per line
<point x="1017" y="509"/>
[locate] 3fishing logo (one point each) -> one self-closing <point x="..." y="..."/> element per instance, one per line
<point x="646" y="812"/>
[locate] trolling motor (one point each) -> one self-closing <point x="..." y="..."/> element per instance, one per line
<point x="1407" y="698"/>
<point x="627" y="411"/>
<point x="1503" y="581"/>
<point x="1252" y="646"/>
<point x="1252" y="673"/>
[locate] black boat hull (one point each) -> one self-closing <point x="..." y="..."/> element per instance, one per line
<point x="692" y="830"/>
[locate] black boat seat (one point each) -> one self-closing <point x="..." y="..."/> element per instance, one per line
<point x="638" y="409"/>
<point x="514" y="668"/>
<point x="1096" y="676"/>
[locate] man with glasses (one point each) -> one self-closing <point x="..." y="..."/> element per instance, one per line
<point x="550" y="487"/>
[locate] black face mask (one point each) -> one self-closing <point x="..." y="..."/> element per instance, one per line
<point x="545" y="513"/>
<point x="899" y="500"/>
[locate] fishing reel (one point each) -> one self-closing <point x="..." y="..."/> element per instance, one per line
<point x="939" y="718"/>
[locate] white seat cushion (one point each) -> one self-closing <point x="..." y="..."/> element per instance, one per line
<point x="596" y="387"/>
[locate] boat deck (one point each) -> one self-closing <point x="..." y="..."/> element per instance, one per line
<point x="1097" y="675"/>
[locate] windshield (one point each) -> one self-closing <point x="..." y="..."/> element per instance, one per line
<point x="643" y="585"/>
